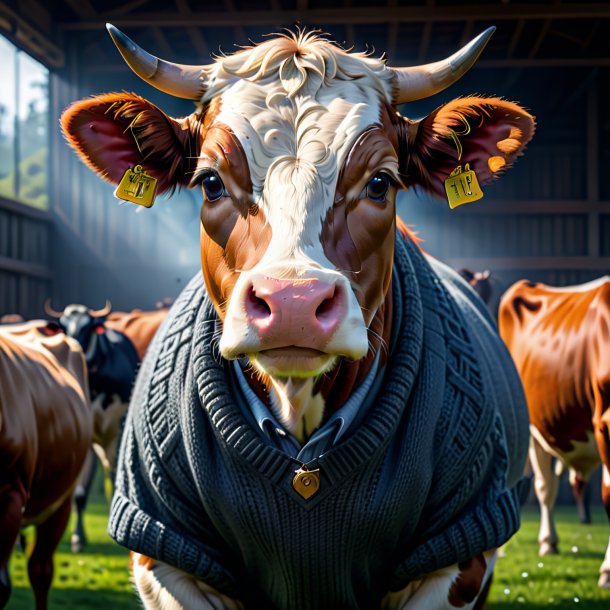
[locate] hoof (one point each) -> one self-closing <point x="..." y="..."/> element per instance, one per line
<point x="547" y="548"/>
<point x="604" y="580"/>
<point x="76" y="544"/>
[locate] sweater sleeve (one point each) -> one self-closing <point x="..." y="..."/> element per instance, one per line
<point x="488" y="517"/>
<point x="149" y="507"/>
<point x="481" y="439"/>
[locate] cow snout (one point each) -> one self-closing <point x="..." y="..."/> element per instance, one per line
<point x="303" y="313"/>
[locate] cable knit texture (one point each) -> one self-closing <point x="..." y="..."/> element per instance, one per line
<point x="426" y="480"/>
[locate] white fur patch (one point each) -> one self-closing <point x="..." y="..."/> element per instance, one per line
<point x="297" y="106"/>
<point x="582" y="460"/>
<point x="432" y="592"/>
<point x="164" y="587"/>
<point x="588" y="286"/>
<point x="296" y="407"/>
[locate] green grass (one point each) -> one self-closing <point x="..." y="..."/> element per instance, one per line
<point x="99" y="578"/>
<point x="527" y="582"/>
<point x="93" y="580"/>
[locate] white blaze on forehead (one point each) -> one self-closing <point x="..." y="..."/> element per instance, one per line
<point x="296" y="117"/>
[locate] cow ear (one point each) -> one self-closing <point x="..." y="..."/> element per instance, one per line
<point x="487" y="133"/>
<point x="117" y="131"/>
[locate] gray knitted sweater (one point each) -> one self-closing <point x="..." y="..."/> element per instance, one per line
<point x="427" y="479"/>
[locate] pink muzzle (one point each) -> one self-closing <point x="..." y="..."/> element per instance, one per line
<point x="302" y="313"/>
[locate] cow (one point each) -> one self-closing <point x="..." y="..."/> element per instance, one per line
<point x="138" y="326"/>
<point x="559" y="339"/>
<point x="114" y="344"/>
<point x="45" y="433"/>
<point x="479" y="281"/>
<point x="315" y="424"/>
<point x="112" y="359"/>
<point x="11" y="318"/>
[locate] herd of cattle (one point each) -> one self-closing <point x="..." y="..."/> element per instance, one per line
<point x="64" y="389"/>
<point x="65" y="384"/>
<point x="78" y="370"/>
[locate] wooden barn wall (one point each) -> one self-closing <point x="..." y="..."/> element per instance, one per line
<point x="25" y="275"/>
<point x="107" y="249"/>
<point x="548" y="218"/>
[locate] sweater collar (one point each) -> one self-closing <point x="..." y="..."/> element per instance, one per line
<point x="328" y="435"/>
<point x="237" y="432"/>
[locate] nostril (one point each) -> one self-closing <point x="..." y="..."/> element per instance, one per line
<point x="327" y="310"/>
<point x="257" y="307"/>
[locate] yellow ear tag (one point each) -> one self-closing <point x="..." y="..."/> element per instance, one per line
<point x="137" y="186"/>
<point x="462" y="186"/>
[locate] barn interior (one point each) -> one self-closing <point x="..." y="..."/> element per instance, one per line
<point x="63" y="235"/>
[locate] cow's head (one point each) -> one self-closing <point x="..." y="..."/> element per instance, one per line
<point x="111" y="358"/>
<point x="480" y="282"/>
<point x="299" y="152"/>
<point x="79" y="321"/>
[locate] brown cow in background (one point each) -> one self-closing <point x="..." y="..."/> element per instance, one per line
<point x="560" y="341"/>
<point x="45" y="433"/>
<point x="137" y="328"/>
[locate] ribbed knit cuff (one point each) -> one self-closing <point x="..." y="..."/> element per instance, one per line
<point x="132" y="528"/>
<point x="488" y="526"/>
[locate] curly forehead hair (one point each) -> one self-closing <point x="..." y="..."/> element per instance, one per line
<point x="295" y="57"/>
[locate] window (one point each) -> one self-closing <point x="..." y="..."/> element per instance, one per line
<point x="24" y="127"/>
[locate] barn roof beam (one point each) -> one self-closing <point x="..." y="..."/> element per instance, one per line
<point x="83" y="8"/>
<point x="127" y="7"/>
<point x="584" y="62"/>
<point x="38" y="43"/>
<point x="238" y="28"/>
<point x="194" y="33"/>
<point x="357" y="15"/>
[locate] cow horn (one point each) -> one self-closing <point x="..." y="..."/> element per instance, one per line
<point x="52" y="313"/>
<point x="417" y="82"/>
<point x="101" y="313"/>
<point x="176" y="79"/>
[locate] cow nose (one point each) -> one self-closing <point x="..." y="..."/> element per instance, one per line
<point x="304" y="313"/>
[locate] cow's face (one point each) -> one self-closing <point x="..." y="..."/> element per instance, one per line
<point x="79" y="322"/>
<point x="298" y="152"/>
<point x="298" y="178"/>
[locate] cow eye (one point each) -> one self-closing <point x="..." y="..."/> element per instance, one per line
<point x="378" y="186"/>
<point x="213" y="187"/>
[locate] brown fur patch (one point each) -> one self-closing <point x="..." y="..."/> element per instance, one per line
<point x="468" y="583"/>
<point x="234" y="232"/>
<point x="116" y="131"/>
<point x="465" y="130"/>
<point x="552" y="335"/>
<point x="141" y="560"/>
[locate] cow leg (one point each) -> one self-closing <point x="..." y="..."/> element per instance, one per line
<point x="78" y="540"/>
<point x="5" y="586"/>
<point x="581" y="490"/>
<point x="40" y="564"/>
<point x="604" y="570"/>
<point x="546" y="485"/>
<point x="602" y="437"/>
<point x="11" y="505"/>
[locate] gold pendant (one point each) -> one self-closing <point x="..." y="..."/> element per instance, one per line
<point x="306" y="482"/>
<point x="137" y="186"/>
<point x="462" y="186"/>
